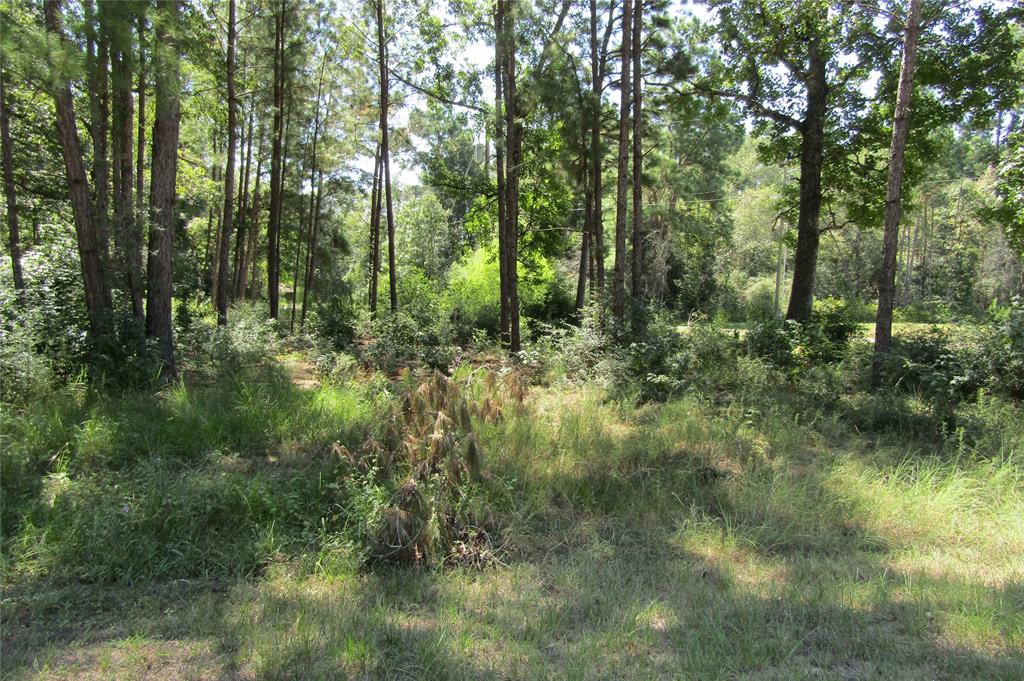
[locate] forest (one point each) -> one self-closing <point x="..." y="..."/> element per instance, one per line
<point x="512" y="339"/>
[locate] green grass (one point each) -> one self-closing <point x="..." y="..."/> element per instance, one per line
<point x="684" y="540"/>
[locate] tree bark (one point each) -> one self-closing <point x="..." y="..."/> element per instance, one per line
<point x="276" y="174"/>
<point x="499" y="165"/>
<point x="253" y="220"/>
<point x="382" y="56"/>
<point x="622" y="188"/>
<point x="513" y="160"/>
<point x="312" y="198"/>
<point x="805" y="259"/>
<point x="637" y="240"/>
<point x="140" y="144"/>
<point x="597" y="75"/>
<point x="128" y="230"/>
<point x="588" y="218"/>
<point x="97" y="59"/>
<point x="311" y="259"/>
<point x="229" y="174"/>
<point x="97" y="293"/>
<point x="243" y="201"/>
<point x="375" y="201"/>
<point x="162" y="185"/>
<point x="887" y="286"/>
<point x="14" y="240"/>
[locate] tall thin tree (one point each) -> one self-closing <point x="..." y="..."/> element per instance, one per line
<point x="7" y="153"/>
<point x="887" y="285"/>
<point x="97" y="294"/>
<point x="622" y="188"/>
<point x="385" y="150"/>
<point x="638" y="153"/>
<point x="274" y="219"/>
<point x="128" y="231"/>
<point x="163" y="182"/>
<point x="229" y="173"/>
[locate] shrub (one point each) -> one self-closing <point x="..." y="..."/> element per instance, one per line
<point x="334" y="320"/>
<point x="759" y="300"/>
<point x="249" y="338"/>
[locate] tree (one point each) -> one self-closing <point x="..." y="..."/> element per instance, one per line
<point x="97" y="292"/>
<point x="887" y="287"/>
<point x="229" y="174"/>
<point x="385" y="151"/>
<point x="163" y="183"/>
<point x="119" y="23"/>
<point x="6" y="156"/>
<point x="772" y="51"/>
<point x="276" y="163"/>
<point x="622" y="188"/>
<point x="638" y="153"/>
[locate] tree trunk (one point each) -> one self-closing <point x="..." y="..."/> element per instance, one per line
<point x="162" y="185"/>
<point x="887" y="286"/>
<point x="805" y="259"/>
<point x="140" y="144"/>
<point x="128" y="230"/>
<point x="311" y="259"/>
<point x="375" y="201"/>
<point x="274" y="223"/>
<point x="637" y="241"/>
<point x="622" y="188"/>
<point x="12" y="204"/>
<point x="588" y="219"/>
<point x="382" y="56"/>
<point x="597" y="85"/>
<point x="243" y="202"/>
<point x="513" y="160"/>
<point x="499" y="166"/>
<point x="229" y="174"/>
<point x="97" y="294"/>
<point x="97" y="55"/>
<point x="253" y="220"/>
<point x="312" y="197"/>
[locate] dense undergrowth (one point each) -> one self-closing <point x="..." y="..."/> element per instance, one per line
<point x="749" y="473"/>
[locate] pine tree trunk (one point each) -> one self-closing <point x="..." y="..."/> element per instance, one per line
<point x="97" y="55"/>
<point x="638" y="200"/>
<point x="622" y="188"/>
<point x="597" y="85"/>
<point x="14" y="241"/>
<point x="140" y="143"/>
<point x="382" y="56"/>
<point x="312" y="197"/>
<point x="311" y="259"/>
<point x="513" y="159"/>
<point x="229" y="174"/>
<point x="276" y="174"/>
<point x="375" y="206"/>
<point x="887" y="287"/>
<point x="805" y="259"/>
<point x="499" y="164"/>
<point x="238" y="281"/>
<point x="97" y="294"/>
<point x="253" y="220"/>
<point x="162" y="185"/>
<point x="128" y="230"/>
<point x="588" y="219"/>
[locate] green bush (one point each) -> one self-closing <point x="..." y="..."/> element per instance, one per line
<point x="334" y="320"/>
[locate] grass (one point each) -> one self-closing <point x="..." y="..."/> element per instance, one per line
<point x="684" y="540"/>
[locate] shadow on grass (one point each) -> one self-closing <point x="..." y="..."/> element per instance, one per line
<point x="658" y="559"/>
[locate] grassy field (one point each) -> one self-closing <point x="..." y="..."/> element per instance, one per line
<point x="690" y="540"/>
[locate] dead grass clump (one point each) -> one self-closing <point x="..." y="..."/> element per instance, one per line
<point x="428" y="454"/>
